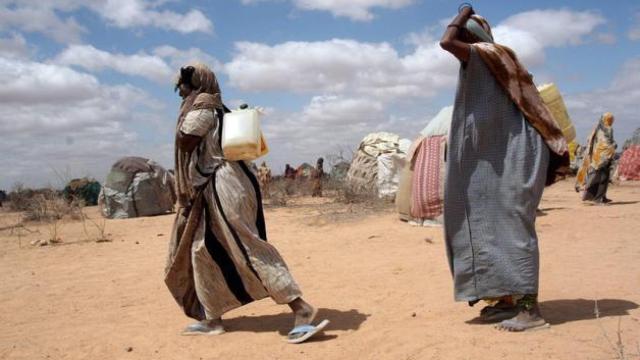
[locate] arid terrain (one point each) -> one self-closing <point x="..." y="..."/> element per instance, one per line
<point x="384" y="285"/>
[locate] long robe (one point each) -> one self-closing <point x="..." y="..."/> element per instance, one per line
<point x="496" y="173"/>
<point x="219" y="258"/>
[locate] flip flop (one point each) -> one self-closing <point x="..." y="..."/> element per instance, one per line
<point x="202" y="329"/>
<point x="302" y="333"/>
<point x="515" y="326"/>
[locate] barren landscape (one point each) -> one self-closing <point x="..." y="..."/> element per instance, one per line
<point x="384" y="285"/>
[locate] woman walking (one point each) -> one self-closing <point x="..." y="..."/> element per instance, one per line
<point x="219" y="258"/>
<point x="595" y="172"/>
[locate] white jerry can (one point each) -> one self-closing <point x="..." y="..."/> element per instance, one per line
<point x="241" y="135"/>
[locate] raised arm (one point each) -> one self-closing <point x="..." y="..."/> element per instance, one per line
<point x="450" y="39"/>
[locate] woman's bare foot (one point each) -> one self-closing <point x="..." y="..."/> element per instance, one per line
<point x="498" y="312"/>
<point x="303" y="312"/>
<point x="205" y="327"/>
<point x="525" y="320"/>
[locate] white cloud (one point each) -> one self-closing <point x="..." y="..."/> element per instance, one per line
<point x="41" y="19"/>
<point x="621" y="98"/>
<point x="160" y="67"/>
<point x="350" y="67"/>
<point x="529" y="33"/>
<point x="54" y="117"/>
<point x="134" y="13"/>
<point x="26" y="82"/>
<point x="358" y="10"/>
<point x="332" y="66"/>
<point x="88" y="57"/>
<point x="14" y="47"/>
<point x="179" y="57"/>
<point x="556" y="28"/>
<point x="325" y="124"/>
<point x="51" y="18"/>
<point x="354" y="9"/>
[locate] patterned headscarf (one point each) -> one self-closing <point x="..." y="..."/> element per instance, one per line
<point x="518" y="84"/>
<point x="479" y="27"/>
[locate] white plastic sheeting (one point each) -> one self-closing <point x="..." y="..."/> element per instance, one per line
<point x="440" y="124"/>
<point x="378" y="163"/>
<point x="146" y="192"/>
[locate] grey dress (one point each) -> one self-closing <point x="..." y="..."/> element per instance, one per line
<point x="496" y="171"/>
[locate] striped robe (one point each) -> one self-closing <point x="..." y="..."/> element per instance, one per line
<point x="219" y="258"/>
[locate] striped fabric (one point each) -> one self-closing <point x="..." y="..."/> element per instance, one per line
<point x="219" y="258"/>
<point x="428" y="178"/>
<point x="629" y="164"/>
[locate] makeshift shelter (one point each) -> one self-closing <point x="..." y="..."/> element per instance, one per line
<point x="304" y="171"/>
<point x="339" y="171"/>
<point x="137" y="187"/>
<point x="629" y="164"/>
<point x="377" y="164"/>
<point x="421" y="194"/>
<point x="84" y="189"/>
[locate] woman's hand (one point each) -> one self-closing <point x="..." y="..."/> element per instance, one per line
<point x="450" y="41"/>
<point x="187" y="143"/>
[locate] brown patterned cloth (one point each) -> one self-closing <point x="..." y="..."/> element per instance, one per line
<point x="518" y="84"/>
<point x="218" y="257"/>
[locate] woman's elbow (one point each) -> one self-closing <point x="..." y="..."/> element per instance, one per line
<point x="446" y="44"/>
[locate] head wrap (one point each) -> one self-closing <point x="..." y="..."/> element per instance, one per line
<point x="480" y="28"/>
<point x="607" y="119"/>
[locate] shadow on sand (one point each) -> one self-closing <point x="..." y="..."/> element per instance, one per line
<point x="340" y="320"/>
<point x="558" y="312"/>
<point x="623" y="202"/>
<point x="563" y="311"/>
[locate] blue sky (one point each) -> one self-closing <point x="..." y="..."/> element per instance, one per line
<point x="87" y="82"/>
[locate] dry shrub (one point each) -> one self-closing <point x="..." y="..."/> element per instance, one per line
<point x="281" y="190"/>
<point x="100" y="225"/>
<point x="348" y="194"/>
<point x="46" y="208"/>
<point x="43" y="205"/>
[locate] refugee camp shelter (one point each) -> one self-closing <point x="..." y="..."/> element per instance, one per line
<point x="421" y="191"/>
<point x="339" y="171"/>
<point x="377" y="164"/>
<point x="85" y="189"/>
<point x="137" y="187"/>
<point x="304" y="171"/>
<point x="629" y="164"/>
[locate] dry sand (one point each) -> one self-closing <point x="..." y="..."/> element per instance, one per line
<point x="384" y="285"/>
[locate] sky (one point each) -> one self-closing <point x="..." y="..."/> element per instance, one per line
<point x="85" y="82"/>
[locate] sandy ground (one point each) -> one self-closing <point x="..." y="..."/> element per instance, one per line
<point x="384" y="285"/>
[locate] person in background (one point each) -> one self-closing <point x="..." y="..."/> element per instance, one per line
<point x="594" y="174"/>
<point x="264" y="175"/>
<point x="503" y="147"/>
<point x="289" y="178"/>
<point x="219" y="258"/>
<point x="317" y="177"/>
